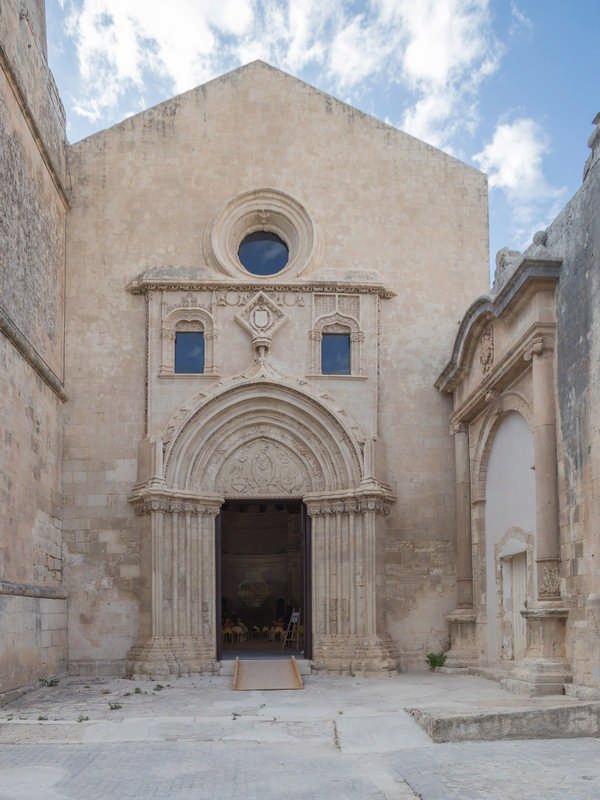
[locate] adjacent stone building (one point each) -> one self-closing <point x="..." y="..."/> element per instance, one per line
<point x="224" y="329"/>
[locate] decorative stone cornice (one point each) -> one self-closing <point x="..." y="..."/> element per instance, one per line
<point x="146" y="283"/>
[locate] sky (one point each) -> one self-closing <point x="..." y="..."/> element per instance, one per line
<point x="504" y="85"/>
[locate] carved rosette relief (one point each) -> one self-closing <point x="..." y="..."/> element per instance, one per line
<point x="263" y="468"/>
<point x="486" y="350"/>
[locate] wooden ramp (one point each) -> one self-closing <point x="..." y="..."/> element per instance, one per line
<point x="279" y="673"/>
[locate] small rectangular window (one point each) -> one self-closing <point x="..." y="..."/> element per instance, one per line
<point x="189" y="352"/>
<point x="335" y="354"/>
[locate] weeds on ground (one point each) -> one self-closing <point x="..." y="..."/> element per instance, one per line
<point x="49" y="681"/>
<point x="436" y="660"/>
<point x="114" y="706"/>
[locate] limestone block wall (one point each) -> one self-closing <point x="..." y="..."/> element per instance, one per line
<point x="144" y="194"/>
<point x="32" y="271"/>
<point x="33" y="631"/>
<point x="575" y="237"/>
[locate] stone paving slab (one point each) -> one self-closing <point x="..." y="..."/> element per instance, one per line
<point x="342" y="737"/>
<point x="554" y="769"/>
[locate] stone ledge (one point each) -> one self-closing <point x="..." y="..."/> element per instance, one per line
<point x="32" y="590"/>
<point x="22" y="344"/>
<point x="581" y="719"/>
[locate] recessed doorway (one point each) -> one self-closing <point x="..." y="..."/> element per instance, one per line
<point x="263" y="579"/>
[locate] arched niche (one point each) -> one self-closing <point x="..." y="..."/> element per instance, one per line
<point x="509" y="503"/>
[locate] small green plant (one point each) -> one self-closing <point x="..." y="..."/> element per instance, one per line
<point x="235" y="715"/>
<point x="127" y="694"/>
<point x="81" y="718"/>
<point x="436" y="660"/>
<point x="115" y="706"/>
<point x="158" y="687"/>
<point x="42" y="718"/>
<point x="105" y="691"/>
<point x="49" y="681"/>
<point x="137" y="690"/>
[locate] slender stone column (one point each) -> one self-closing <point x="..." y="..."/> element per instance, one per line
<point x="464" y="556"/>
<point x="546" y="485"/>
<point x="463" y="649"/>
<point x="545" y="669"/>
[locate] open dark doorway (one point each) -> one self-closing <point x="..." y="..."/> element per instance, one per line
<point x="263" y="579"/>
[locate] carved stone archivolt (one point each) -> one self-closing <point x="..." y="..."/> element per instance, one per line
<point x="263" y="409"/>
<point x="263" y="468"/>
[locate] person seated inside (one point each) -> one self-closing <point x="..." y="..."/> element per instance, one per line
<point x="277" y="629"/>
<point x="227" y="630"/>
<point x="239" y="630"/>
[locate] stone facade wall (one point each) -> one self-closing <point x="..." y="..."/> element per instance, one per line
<point x="32" y="275"/>
<point x="144" y="194"/>
<point x="575" y="237"/>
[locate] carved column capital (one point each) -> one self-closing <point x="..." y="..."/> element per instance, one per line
<point x="537" y="347"/>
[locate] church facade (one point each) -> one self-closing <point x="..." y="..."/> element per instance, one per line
<point x="239" y="379"/>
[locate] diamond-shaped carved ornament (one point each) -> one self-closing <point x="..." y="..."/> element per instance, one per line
<point x="261" y="317"/>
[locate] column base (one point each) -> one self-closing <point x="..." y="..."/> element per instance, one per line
<point x="463" y="652"/>
<point x="544" y="670"/>
<point x="355" y="654"/>
<point x="163" y="656"/>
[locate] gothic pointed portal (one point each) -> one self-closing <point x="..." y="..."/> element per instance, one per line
<point x="255" y="443"/>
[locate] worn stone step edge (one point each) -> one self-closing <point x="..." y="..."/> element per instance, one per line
<point x="543" y="723"/>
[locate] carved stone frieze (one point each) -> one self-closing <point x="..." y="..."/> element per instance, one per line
<point x="263" y="468"/>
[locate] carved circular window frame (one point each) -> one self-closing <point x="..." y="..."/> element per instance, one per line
<point x="261" y="210"/>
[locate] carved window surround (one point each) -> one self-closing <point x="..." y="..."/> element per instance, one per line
<point x="336" y="323"/>
<point x="187" y="319"/>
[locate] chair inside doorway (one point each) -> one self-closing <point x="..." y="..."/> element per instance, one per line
<point x="262" y="577"/>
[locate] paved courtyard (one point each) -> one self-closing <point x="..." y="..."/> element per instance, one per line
<point x="340" y="737"/>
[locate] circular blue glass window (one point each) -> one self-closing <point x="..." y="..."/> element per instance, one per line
<point x="263" y="253"/>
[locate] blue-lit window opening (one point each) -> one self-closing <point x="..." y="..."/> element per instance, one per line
<point x="189" y="352"/>
<point x="335" y="354"/>
<point x="263" y="253"/>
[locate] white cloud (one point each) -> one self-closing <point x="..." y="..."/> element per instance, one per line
<point x="436" y="52"/>
<point x="514" y="162"/>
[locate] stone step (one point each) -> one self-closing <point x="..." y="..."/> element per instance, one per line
<point x="582" y="719"/>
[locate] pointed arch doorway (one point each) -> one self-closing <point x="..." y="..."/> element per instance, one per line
<point x="263" y="575"/>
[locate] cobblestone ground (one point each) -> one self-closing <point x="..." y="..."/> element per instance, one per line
<point x="339" y="738"/>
